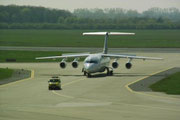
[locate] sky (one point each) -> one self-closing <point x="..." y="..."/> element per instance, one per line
<point x="139" y="5"/>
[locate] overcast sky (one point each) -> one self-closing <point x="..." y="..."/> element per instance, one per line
<point x="139" y="5"/>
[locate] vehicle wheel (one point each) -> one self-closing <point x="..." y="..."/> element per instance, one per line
<point x="59" y="88"/>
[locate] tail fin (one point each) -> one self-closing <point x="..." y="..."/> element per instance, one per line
<point x="106" y="34"/>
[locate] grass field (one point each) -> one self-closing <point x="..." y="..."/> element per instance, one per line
<point x="74" y="38"/>
<point x="5" y="73"/>
<point x="169" y="85"/>
<point x="27" y="56"/>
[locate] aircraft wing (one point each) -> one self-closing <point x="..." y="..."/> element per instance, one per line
<point x="65" y="56"/>
<point x="130" y="57"/>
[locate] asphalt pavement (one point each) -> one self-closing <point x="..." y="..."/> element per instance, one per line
<point x="97" y="98"/>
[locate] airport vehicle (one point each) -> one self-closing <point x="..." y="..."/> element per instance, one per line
<point x="54" y="83"/>
<point x="99" y="62"/>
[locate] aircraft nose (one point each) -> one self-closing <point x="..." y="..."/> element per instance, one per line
<point x="89" y="67"/>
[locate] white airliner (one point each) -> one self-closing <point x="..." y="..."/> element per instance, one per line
<point x="99" y="62"/>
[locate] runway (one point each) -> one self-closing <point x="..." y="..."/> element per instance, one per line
<point x="97" y="98"/>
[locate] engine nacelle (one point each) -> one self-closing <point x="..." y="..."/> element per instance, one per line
<point x="75" y="64"/>
<point x="128" y="65"/>
<point x="115" y="64"/>
<point x="62" y="64"/>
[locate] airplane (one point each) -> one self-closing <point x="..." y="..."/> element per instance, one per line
<point x="99" y="62"/>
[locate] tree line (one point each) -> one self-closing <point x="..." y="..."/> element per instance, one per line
<point x="118" y="13"/>
<point x="29" y="17"/>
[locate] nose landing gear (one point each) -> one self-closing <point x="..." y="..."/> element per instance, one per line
<point x="86" y="74"/>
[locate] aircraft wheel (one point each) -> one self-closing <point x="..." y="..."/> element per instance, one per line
<point x="111" y="73"/>
<point x="107" y="71"/>
<point x="85" y="73"/>
<point x="88" y="75"/>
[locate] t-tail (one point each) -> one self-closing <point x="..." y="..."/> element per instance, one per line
<point x="106" y="34"/>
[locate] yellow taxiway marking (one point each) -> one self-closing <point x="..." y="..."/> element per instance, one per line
<point x="71" y="97"/>
<point x="91" y="100"/>
<point x="66" y="84"/>
<point x="15" y="82"/>
<point x="67" y="96"/>
<point x="69" y="83"/>
<point x="132" y="91"/>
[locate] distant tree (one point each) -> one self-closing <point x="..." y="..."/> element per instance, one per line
<point x="29" y="17"/>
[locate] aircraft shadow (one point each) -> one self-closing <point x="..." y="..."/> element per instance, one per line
<point x="104" y="75"/>
<point x="133" y="75"/>
<point x="51" y="75"/>
<point x="123" y="75"/>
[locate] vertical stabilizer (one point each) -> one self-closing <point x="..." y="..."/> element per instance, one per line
<point x="106" y="34"/>
<point x="105" y="49"/>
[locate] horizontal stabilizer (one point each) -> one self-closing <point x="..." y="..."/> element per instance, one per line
<point x="65" y="56"/>
<point x="108" y="33"/>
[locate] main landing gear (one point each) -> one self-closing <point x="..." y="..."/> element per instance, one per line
<point x="109" y="71"/>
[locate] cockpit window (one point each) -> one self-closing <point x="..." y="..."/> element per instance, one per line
<point x="92" y="61"/>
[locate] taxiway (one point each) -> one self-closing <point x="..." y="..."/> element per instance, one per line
<point x="97" y="98"/>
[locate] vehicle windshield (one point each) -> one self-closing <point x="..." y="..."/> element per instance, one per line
<point x="54" y="80"/>
<point x="92" y="61"/>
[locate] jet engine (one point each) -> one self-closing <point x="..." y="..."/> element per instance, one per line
<point x="115" y="64"/>
<point x="63" y="64"/>
<point x="75" y="63"/>
<point x="128" y="65"/>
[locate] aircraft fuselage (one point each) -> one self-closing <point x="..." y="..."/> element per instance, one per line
<point x="96" y="63"/>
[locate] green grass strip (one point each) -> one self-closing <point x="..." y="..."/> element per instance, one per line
<point x="5" y="73"/>
<point x="29" y="56"/>
<point x="74" y="38"/>
<point x="169" y="85"/>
